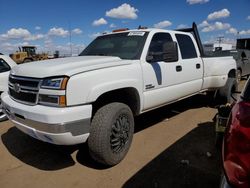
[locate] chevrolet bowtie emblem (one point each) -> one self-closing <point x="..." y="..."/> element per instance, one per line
<point x="17" y="88"/>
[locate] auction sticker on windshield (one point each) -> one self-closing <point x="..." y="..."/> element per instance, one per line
<point x="136" y="33"/>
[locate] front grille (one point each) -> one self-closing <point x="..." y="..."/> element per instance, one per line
<point x="24" y="89"/>
<point x="27" y="82"/>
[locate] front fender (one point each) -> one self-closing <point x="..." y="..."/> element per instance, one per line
<point x="98" y="90"/>
<point x="87" y="87"/>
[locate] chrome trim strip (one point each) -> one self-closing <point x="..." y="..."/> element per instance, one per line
<point x="25" y="79"/>
<point x="24" y="91"/>
<point x="75" y="127"/>
<point x="51" y="92"/>
<point x="24" y="87"/>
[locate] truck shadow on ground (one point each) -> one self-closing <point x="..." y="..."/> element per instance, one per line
<point x="155" y="116"/>
<point x="36" y="153"/>
<point x="193" y="161"/>
<point x="50" y="157"/>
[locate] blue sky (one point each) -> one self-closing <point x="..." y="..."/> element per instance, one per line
<point x="48" y="24"/>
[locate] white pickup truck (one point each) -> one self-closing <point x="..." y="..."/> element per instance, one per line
<point x="6" y="63"/>
<point x="94" y="97"/>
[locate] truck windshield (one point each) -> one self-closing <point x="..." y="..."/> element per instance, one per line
<point x="126" y="45"/>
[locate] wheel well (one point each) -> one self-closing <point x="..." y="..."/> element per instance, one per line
<point x="128" y="96"/>
<point x="232" y="73"/>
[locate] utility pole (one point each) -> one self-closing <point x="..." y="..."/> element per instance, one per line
<point x="70" y="41"/>
<point x="219" y="39"/>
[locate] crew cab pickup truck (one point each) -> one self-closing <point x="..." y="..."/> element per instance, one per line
<point x="94" y="97"/>
<point x="6" y="63"/>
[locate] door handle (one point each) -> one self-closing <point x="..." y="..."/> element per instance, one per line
<point x="198" y="66"/>
<point x="178" y="68"/>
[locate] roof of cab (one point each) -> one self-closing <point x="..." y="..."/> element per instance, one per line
<point x="143" y="30"/>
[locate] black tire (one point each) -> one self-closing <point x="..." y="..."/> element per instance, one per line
<point x="226" y="93"/>
<point x="111" y="133"/>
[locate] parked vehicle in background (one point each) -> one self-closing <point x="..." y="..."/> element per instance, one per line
<point x="241" y="54"/>
<point x="243" y="59"/>
<point x="236" y="150"/>
<point x="94" y="97"/>
<point x="6" y="63"/>
<point x="27" y="54"/>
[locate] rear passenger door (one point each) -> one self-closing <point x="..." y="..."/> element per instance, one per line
<point x="191" y="63"/>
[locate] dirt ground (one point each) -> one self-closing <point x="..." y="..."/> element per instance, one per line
<point x="172" y="147"/>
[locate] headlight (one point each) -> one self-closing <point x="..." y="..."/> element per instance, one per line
<point x="58" y="83"/>
<point x="55" y="83"/>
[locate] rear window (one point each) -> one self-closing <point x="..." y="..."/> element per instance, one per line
<point x="187" y="47"/>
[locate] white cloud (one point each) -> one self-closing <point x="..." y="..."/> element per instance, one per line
<point x="59" y="32"/>
<point x="34" y="37"/>
<point x="232" y="31"/>
<point x="77" y="31"/>
<point x="229" y="41"/>
<point x="181" y="26"/>
<point x="163" y="24"/>
<point x="192" y="2"/>
<point x="248" y="18"/>
<point x="214" y="39"/>
<point x="203" y="24"/>
<point x="64" y="50"/>
<point x="20" y="34"/>
<point x="8" y="48"/>
<point x="244" y="32"/>
<point x="125" y="11"/>
<point x="37" y="28"/>
<point x="219" y="14"/>
<point x="12" y="39"/>
<point x="16" y="34"/>
<point x="216" y="26"/>
<point x="112" y="25"/>
<point x="101" y="21"/>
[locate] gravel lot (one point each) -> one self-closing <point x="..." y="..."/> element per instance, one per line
<point x="173" y="147"/>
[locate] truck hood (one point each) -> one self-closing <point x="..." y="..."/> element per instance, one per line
<point x="66" y="66"/>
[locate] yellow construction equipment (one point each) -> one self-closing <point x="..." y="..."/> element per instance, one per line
<point x="27" y="54"/>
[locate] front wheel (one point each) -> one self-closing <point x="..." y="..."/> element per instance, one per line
<point x="111" y="133"/>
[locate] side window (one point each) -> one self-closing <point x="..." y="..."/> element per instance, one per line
<point x="4" y="66"/>
<point x="186" y="45"/>
<point x="156" y="45"/>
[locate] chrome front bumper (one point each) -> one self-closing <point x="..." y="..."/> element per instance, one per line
<point x="62" y="126"/>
